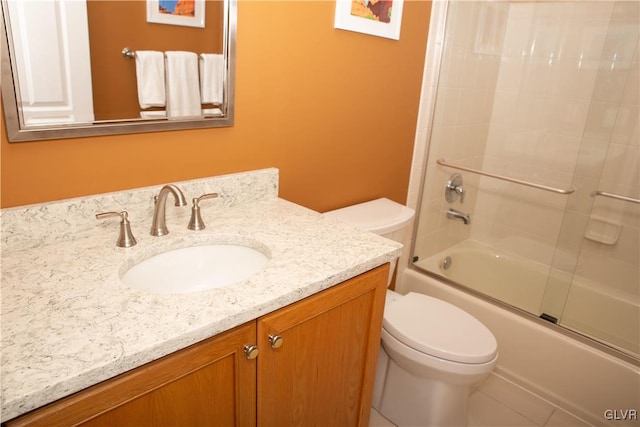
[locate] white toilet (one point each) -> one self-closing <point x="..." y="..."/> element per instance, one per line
<point x="431" y="351"/>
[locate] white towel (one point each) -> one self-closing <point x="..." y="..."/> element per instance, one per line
<point x="211" y="77"/>
<point x="153" y="114"/>
<point x="150" y="78"/>
<point x="183" y="87"/>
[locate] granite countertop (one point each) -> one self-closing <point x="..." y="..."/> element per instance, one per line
<point x="68" y="322"/>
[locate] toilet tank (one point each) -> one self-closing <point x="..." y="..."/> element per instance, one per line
<point x="381" y="216"/>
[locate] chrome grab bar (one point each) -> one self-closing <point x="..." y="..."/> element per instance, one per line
<point x="443" y="162"/>
<point x="614" y="196"/>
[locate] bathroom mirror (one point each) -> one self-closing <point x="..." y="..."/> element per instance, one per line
<point x="97" y="94"/>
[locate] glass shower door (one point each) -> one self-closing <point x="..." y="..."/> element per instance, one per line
<point x="594" y="286"/>
<point x="535" y="97"/>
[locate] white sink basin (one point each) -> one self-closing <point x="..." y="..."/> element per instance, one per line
<point x="195" y="268"/>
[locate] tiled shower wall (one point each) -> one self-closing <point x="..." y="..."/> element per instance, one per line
<point x="465" y="91"/>
<point x="603" y="234"/>
<point x="545" y="92"/>
<point x="515" y="98"/>
<point x="548" y="69"/>
<point x="611" y="134"/>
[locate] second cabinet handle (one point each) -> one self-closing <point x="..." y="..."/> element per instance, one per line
<point x="275" y="340"/>
<point x="251" y="351"/>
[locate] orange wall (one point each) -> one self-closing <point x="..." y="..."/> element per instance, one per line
<point x="334" y="110"/>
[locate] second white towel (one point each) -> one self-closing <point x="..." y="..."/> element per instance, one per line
<point x="150" y="78"/>
<point x="211" y="77"/>
<point x="183" y="86"/>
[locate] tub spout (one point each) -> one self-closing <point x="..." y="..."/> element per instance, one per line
<point x="455" y="214"/>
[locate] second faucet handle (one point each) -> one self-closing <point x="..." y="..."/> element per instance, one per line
<point x="196" y="223"/>
<point x="125" y="238"/>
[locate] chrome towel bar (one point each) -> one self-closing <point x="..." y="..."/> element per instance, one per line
<point x="443" y="162"/>
<point x="614" y="196"/>
<point x="128" y="53"/>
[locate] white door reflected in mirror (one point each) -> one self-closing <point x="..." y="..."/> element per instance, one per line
<point x="52" y="36"/>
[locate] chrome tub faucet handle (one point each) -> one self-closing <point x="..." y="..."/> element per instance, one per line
<point x="454" y="189"/>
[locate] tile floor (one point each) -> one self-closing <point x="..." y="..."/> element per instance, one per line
<point x="499" y="402"/>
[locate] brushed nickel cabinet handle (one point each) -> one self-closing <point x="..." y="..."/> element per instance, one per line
<point x="251" y="351"/>
<point x="275" y="340"/>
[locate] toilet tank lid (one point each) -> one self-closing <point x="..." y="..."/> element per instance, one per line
<point x="379" y="216"/>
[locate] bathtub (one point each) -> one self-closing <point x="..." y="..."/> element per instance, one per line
<point x="511" y="279"/>
<point x="603" y="313"/>
<point x="591" y="309"/>
<point x="582" y="377"/>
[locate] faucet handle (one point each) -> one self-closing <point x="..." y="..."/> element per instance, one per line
<point x="454" y="189"/>
<point x="460" y="191"/>
<point x="125" y="239"/>
<point x="196" y="223"/>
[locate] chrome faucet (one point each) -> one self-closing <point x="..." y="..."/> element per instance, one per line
<point x="159" y="224"/>
<point x="455" y="214"/>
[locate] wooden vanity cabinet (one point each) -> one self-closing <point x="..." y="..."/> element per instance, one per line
<point x="322" y="372"/>
<point x="315" y="367"/>
<point x="211" y="380"/>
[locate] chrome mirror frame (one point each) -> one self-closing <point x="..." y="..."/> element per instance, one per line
<point x="18" y="133"/>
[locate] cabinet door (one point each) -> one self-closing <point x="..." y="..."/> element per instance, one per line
<point x="323" y="372"/>
<point x="208" y="384"/>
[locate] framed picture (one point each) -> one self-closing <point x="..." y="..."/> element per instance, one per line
<point x="189" y="13"/>
<point x="375" y="17"/>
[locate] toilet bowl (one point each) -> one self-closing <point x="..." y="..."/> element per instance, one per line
<point x="425" y="373"/>
<point x="431" y="351"/>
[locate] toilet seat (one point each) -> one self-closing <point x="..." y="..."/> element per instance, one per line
<point x="439" y="329"/>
